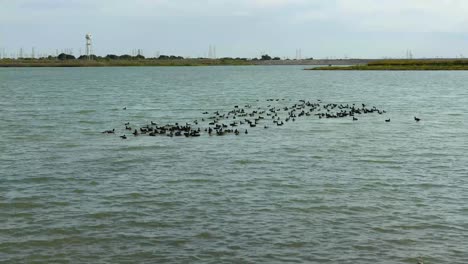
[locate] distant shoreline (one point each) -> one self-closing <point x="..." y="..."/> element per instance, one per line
<point x="171" y="62"/>
<point x="118" y="63"/>
<point x="323" y="64"/>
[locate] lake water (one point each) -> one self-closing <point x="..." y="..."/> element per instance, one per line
<point x="311" y="191"/>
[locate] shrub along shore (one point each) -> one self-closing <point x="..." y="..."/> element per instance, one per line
<point x="67" y="60"/>
<point x="404" y="65"/>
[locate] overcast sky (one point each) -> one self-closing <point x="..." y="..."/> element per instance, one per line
<point x="245" y="28"/>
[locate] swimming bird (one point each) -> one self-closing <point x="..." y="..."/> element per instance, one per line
<point x="417" y="119"/>
<point x="123" y="137"/>
<point x="109" y="131"/>
<point x="246" y="132"/>
<point x="387" y="120"/>
<point x="355" y="119"/>
<point x="125" y="108"/>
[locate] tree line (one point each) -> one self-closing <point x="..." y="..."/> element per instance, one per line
<point x="64" y="56"/>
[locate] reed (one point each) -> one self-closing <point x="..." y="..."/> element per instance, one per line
<point x="405" y="65"/>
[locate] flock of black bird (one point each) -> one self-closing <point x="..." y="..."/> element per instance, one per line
<point x="240" y="119"/>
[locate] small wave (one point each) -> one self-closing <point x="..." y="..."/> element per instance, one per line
<point x="60" y="203"/>
<point x="202" y="180"/>
<point x="87" y="111"/>
<point x="295" y="244"/>
<point x="88" y="122"/>
<point x="20" y="205"/>
<point x="125" y="196"/>
<point x="243" y="162"/>
<point x="317" y="157"/>
<point x="68" y="145"/>
<point x="377" y="161"/>
<point x="121" y="163"/>
<point x="321" y="130"/>
<point x="427" y="185"/>
<point x="102" y="215"/>
<point x="404" y="241"/>
<point x="93" y="183"/>
<point x="150" y="224"/>
<point x="385" y="230"/>
<point x="251" y="161"/>
<point x="178" y="242"/>
<point x="205" y="235"/>
<point x="39" y="179"/>
<point x="137" y="148"/>
<point x="194" y="180"/>
<point x="285" y="185"/>
<point x="62" y="231"/>
<point x="366" y="247"/>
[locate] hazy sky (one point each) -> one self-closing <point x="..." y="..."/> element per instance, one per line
<point x="321" y="28"/>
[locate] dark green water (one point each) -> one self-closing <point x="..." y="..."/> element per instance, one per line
<point x="312" y="191"/>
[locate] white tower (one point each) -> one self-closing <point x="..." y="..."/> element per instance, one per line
<point x="89" y="46"/>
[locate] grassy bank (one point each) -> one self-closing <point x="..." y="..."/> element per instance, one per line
<point x="118" y="63"/>
<point x="404" y="65"/>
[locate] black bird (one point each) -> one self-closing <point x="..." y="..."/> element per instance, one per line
<point x="123" y="137"/>
<point x="125" y="108"/>
<point x="417" y="119"/>
<point x="109" y="131"/>
<point x="355" y="119"/>
<point x="387" y="120"/>
<point x="246" y="132"/>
